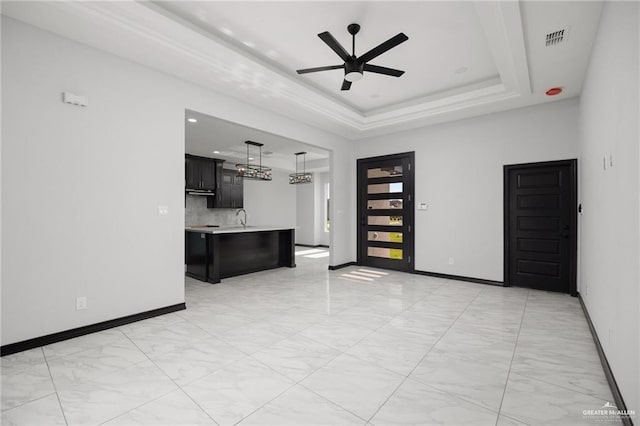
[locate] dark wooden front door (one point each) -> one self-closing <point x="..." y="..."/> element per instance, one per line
<point x="541" y="225"/>
<point x="385" y="211"/>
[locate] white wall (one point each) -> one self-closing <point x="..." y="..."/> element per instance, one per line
<point x="609" y="254"/>
<point x="81" y="186"/>
<point x="459" y="173"/>
<point x="321" y="236"/>
<point x="306" y="213"/>
<point x="270" y="203"/>
<point x="310" y="211"/>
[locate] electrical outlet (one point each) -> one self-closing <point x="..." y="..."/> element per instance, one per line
<point x="81" y="303"/>
<point x="163" y="210"/>
<point x="451" y="261"/>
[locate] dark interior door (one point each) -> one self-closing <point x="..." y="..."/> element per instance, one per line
<point x="540" y="225"/>
<point x="385" y="211"/>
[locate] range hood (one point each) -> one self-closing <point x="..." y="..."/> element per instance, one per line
<point x="204" y="192"/>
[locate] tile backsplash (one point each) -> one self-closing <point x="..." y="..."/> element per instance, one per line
<point x="197" y="213"/>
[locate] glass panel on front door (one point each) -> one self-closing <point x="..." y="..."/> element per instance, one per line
<point x="392" y="237"/>
<point x="385" y="220"/>
<point x="379" y="172"/>
<point x="387" y="253"/>
<point x="395" y="203"/>
<point x="385" y="188"/>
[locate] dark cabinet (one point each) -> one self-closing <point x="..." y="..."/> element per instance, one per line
<point x="196" y="256"/>
<point x="230" y="193"/>
<point x="192" y="173"/>
<point x="200" y="173"/>
<point x="209" y="175"/>
<point x="212" y="256"/>
<point x="232" y="189"/>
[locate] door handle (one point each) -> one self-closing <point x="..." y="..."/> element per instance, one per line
<point x="565" y="235"/>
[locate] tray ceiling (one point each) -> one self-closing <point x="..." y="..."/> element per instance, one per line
<point x="462" y="59"/>
<point x="446" y="49"/>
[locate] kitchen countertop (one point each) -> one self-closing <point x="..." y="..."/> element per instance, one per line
<point x="236" y="229"/>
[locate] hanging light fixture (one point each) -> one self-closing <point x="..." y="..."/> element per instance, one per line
<point x="253" y="171"/>
<point x="303" y="177"/>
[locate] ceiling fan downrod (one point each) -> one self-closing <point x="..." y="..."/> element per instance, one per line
<point x="353" y="30"/>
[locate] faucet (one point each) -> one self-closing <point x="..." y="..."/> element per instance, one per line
<point x="243" y="223"/>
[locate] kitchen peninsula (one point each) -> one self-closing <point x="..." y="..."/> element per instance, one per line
<point x="213" y="253"/>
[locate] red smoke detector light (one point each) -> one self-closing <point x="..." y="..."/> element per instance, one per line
<point x="554" y="91"/>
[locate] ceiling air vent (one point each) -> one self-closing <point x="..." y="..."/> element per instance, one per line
<point x="557" y="37"/>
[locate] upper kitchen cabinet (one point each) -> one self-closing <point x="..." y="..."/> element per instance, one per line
<point x="231" y="191"/>
<point x="200" y="173"/>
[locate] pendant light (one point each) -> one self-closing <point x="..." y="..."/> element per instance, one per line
<point x="252" y="171"/>
<point x="303" y="177"/>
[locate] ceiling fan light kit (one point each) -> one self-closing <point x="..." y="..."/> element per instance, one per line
<point x="353" y="71"/>
<point x="354" y="67"/>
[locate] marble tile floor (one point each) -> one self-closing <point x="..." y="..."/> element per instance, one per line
<point x="308" y="346"/>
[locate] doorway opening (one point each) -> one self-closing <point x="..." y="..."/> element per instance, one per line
<point x="226" y="201"/>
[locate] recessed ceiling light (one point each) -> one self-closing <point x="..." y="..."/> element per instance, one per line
<point x="226" y="31"/>
<point x="202" y="15"/>
<point x="249" y="44"/>
<point x="216" y="152"/>
<point x="192" y="120"/>
<point x="250" y="158"/>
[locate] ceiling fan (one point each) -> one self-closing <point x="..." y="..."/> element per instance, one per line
<point x="355" y="66"/>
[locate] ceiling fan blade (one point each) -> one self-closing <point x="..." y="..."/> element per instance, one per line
<point x="381" y="48"/>
<point x="346" y="85"/>
<point x="327" y="68"/>
<point x="383" y="70"/>
<point x="333" y="44"/>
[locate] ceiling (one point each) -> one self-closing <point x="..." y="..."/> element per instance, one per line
<point x="446" y="48"/>
<point x="209" y="134"/>
<point x="462" y="59"/>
